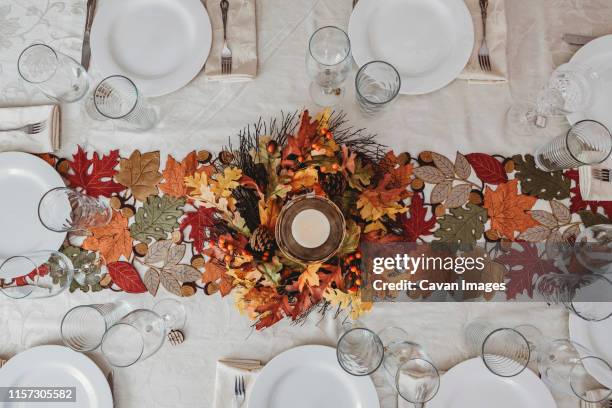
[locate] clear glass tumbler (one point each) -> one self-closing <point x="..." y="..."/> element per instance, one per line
<point x="587" y="142"/>
<point x="117" y="98"/>
<point x="83" y="327"/>
<point x="328" y="62"/>
<point x="594" y="248"/>
<point x="35" y="275"/>
<point x="360" y="351"/>
<point x="57" y="75"/>
<point x="65" y="209"/>
<point x="377" y="84"/>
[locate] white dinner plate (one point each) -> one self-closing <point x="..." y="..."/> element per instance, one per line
<point x="595" y="336"/>
<point x="471" y="384"/>
<point x="429" y="42"/>
<point x="58" y="366"/>
<point x="161" y="45"/>
<point x="24" y="179"/>
<point x="310" y="377"/>
<point x="597" y="55"/>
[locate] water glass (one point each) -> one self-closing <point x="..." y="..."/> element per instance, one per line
<point x="587" y="142"/>
<point x="505" y="351"/>
<point x="588" y="296"/>
<point x="141" y="333"/>
<point x="377" y="84"/>
<point x="570" y="89"/>
<point x="416" y="379"/>
<point x="117" y="98"/>
<point x="83" y="327"/>
<point x="360" y="351"/>
<point x="57" y="75"/>
<point x="328" y="63"/>
<point x="39" y="274"/>
<point x="65" y="209"/>
<point x="563" y="369"/>
<point x="593" y="248"/>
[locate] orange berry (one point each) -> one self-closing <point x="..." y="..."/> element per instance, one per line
<point x="230" y="247"/>
<point x="323" y="131"/>
<point x="335" y="166"/>
<point x="329" y="135"/>
<point x="353" y="269"/>
<point x="228" y="259"/>
<point x="300" y="159"/>
<point x="358" y="255"/>
<point x="358" y="282"/>
<point x="323" y="169"/>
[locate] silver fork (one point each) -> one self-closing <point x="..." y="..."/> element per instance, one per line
<point x="239" y="391"/>
<point x="30" y="129"/>
<point x="483" y="52"/>
<point x="601" y="174"/>
<point x="226" y="53"/>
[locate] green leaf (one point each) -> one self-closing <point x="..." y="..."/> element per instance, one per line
<point x="361" y="177"/>
<point x="271" y="270"/>
<point x="538" y="183"/>
<point x="351" y="239"/>
<point x="157" y="218"/>
<point x="590" y="218"/>
<point x="87" y="269"/>
<point x="463" y="226"/>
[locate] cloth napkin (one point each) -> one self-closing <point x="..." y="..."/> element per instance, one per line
<point x="2" y="362"/>
<point x="46" y="141"/>
<point x="227" y="370"/>
<point x="241" y="40"/>
<point x="592" y="189"/>
<point x="496" y="41"/>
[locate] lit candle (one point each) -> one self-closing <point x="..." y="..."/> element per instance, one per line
<point x="310" y="228"/>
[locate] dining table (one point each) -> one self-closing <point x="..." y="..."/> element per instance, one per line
<point x="463" y="116"/>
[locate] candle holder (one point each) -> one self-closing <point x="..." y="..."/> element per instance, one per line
<point x="305" y="243"/>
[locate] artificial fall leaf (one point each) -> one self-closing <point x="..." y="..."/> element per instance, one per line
<point x="487" y="168"/>
<point x="226" y="181"/>
<point x="112" y="240"/>
<point x="375" y="203"/>
<point x="95" y="175"/>
<point x="351" y="239"/>
<point x="538" y="183"/>
<point x="508" y="210"/>
<point x="304" y="178"/>
<point x="417" y="225"/>
<point x="126" y="277"/>
<point x="301" y="143"/>
<point x="215" y="272"/>
<point x="309" y="276"/>
<point x="198" y="222"/>
<point x="140" y="173"/>
<point x="577" y="204"/>
<point x="493" y="272"/>
<point x="268" y="212"/>
<point x="174" y="175"/>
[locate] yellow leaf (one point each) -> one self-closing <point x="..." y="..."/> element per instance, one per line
<point x="374" y="226"/>
<point x="323" y="117"/>
<point x="304" y="178"/>
<point x="309" y="276"/>
<point x="226" y="181"/>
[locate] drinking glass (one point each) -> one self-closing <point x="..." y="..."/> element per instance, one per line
<point x="360" y="351"/>
<point x="505" y="351"/>
<point x="117" y="98"/>
<point x="65" y="209"/>
<point x="416" y="379"/>
<point x="57" y="75"/>
<point x="83" y="327"/>
<point x="141" y="333"/>
<point x="39" y="274"/>
<point x="562" y="369"/>
<point x="377" y="84"/>
<point x="593" y="248"/>
<point x="587" y="142"/>
<point x="328" y="63"/>
<point x="588" y="296"/>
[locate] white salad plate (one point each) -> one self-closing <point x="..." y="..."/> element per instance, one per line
<point x="471" y="384"/>
<point x="57" y="366"/>
<point x="24" y="179"/>
<point x="595" y="336"/>
<point x="310" y="377"/>
<point x="429" y="42"/>
<point x="161" y="45"/>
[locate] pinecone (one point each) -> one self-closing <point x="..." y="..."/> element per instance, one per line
<point x="262" y="240"/>
<point x="334" y="184"/>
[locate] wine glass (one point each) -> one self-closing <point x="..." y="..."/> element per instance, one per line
<point x="328" y="63"/>
<point x="64" y="209"/>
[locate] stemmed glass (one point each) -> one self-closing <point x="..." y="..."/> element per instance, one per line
<point x="57" y="75"/>
<point x="35" y="275"/>
<point x="141" y="333"/>
<point x="328" y="63"/>
<point x="65" y="209"/>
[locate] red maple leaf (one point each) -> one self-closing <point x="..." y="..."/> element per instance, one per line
<point x="417" y="225"/>
<point x="198" y="221"/>
<point x="95" y="175"/>
<point x="523" y="267"/>
<point x="126" y="277"/>
<point x="576" y="201"/>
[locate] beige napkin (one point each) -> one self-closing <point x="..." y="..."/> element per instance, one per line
<point x="595" y="190"/>
<point x="47" y="141"/>
<point x="2" y="362"/>
<point x="227" y="370"/>
<point x="241" y="40"/>
<point x="496" y="41"/>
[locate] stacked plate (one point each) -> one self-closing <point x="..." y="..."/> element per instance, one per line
<point x="429" y="42"/>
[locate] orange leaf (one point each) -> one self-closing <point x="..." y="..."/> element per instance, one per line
<point x="112" y="240"/>
<point x="301" y="143"/>
<point x="309" y="276"/>
<point x="174" y="175"/>
<point x="508" y="210"/>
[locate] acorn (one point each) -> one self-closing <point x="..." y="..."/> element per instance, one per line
<point x="211" y="288"/>
<point x="226" y="157"/>
<point x="141" y="249"/>
<point x="128" y="211"/>
<point x="439" y="210"/>
<point x="476" y="197"/>
<point x="106" y="281"/>
<point x="188" y="289"/>
<point x="62" y="166"/>
<point x="176" y="237"/>
<point x="404" y="158"/>
<point x="509" y="165"/>
<point x="491" y="235"/>
<point x="417" y="184"/>
<point x="203" y="156"/>
<point x="116" y="203"/>
<point x="426" y="157"/>
<point x="197" y="261"/>
<point x="272" y="147"/>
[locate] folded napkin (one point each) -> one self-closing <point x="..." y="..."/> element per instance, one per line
<point x="592" y="189"/>
<point x="46" y="141"/>
<point x="496" y="41"/>
<point x="2" y="362"/>
<point x="241" y="40"/>
<point x="227" y="370"/>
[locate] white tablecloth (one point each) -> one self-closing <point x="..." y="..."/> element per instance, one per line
<point x="202" y="115"/>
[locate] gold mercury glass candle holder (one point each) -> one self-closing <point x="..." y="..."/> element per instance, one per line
<point x="310" y="229"/>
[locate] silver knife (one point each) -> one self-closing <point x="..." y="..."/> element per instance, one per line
<point x="86" y="51"/>
<point x="575" y="39"/>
